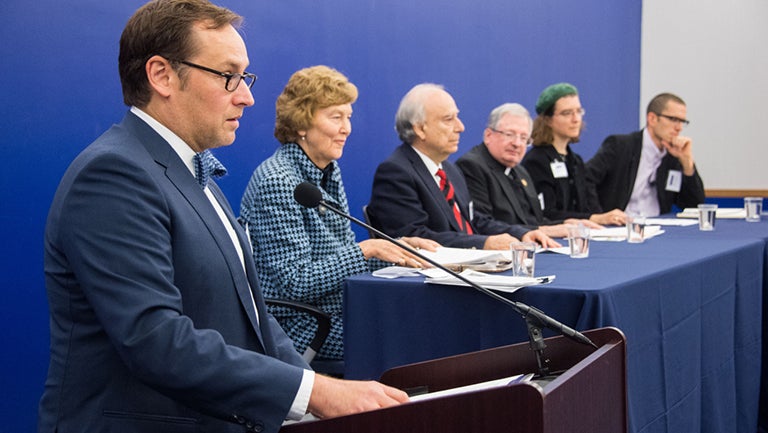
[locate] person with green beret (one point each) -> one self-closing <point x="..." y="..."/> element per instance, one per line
<point x="557" y="172"/>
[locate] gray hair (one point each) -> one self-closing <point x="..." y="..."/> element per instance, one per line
<point x="411" y="110"/>
<point x="510" y="108"/>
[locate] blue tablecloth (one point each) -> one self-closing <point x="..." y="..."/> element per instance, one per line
<point x="689" y="302"/>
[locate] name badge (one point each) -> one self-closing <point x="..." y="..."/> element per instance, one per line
<point x="674" y="180"/>
<point x="559" y="170"/>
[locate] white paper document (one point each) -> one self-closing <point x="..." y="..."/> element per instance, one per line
<point x="502" y="283"/>
<point x="497" y="383"/>
<point x="721" y="212"/>
<point x="620" y="233"/>
<point x="559" y="250"/>
<point x="671" y="222"/>
<point x="396" y="271"/>
<point x="461" y="256"/>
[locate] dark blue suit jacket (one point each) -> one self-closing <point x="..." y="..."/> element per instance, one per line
<point x="152" y="323"/>
<point x="406" y="201"/>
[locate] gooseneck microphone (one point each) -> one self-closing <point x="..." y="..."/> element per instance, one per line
<point x="308" y="195"/>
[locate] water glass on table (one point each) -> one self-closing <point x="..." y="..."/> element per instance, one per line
<point x="578" y="241"/>
<point x="707" y="217"/>
<point x="753" y="206"/>
<point x="635" y="229"/>
<point x="523" y="258"/>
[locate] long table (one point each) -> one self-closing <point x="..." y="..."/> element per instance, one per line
<point x="689" y="302"/>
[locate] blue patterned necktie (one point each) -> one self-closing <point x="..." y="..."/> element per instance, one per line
<point x="207" y="166"/>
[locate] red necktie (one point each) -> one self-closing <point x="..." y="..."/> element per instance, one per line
<point x="447" y="188"/>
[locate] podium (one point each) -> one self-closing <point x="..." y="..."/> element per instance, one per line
<point x="590" y="395"/>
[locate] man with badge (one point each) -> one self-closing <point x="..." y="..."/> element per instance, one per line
<point x="648" y="171"/>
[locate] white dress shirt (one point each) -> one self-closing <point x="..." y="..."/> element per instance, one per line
<point x="431" y="166"/>
<point x="644" y="200"/>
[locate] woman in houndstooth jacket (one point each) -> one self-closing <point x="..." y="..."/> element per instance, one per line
<point x="305" y="254"/>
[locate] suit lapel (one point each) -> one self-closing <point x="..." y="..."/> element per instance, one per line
<point x="429" y="181"/>
<point x="247" y="289"/>
<point x="178" y="174"/>
<point x="197" y="198"/>
<point x="530" y="193"/>
<point x="461" y="193"/>
<point x="508" y="189"/>
<point x="636" y="149"/>
<point x="497" y="171"/>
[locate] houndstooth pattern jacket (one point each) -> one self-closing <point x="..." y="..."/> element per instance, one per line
<point x="301" y="254"/>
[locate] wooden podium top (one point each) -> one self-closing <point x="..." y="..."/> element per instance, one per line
<point x="589" y="395"/>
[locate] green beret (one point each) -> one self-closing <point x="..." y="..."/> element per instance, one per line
<point x="551" y="94"/>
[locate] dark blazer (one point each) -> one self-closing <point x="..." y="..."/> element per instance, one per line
<point x="568" y="197"/>
<point x="493" y="193"/>
<point x="152" y="323"/>
<point x="613" y="170"/>
<point x="406" y="201"/>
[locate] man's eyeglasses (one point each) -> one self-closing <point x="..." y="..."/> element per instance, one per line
<point x="233" y="80"/>
<point x="513" y="137"/>
<point x="569" y="113"/>
<point x="675" y="120"/>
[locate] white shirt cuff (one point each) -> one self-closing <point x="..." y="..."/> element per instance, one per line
<point x="301" y="402"/>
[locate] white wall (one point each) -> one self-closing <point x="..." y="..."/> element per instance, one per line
<point x="713" y="54"/>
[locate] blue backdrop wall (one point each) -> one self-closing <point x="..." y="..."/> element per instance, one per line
<point x="60" y="90"/>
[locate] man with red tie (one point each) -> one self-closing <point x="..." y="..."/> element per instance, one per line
<point x="417" y="192"/>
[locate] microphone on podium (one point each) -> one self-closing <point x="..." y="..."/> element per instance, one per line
<point x="308" y="195"/>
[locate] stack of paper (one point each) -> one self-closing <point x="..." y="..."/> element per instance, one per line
<point x="670" y="222"/>
<point x="721" y="213"/>
<point x="396" y="271"/>
<point x="501" y="283"/>
<point x="620" y="233"/>
<point x="466" y="256"/>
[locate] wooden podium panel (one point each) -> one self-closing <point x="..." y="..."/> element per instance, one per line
<point x="589" y="395"/>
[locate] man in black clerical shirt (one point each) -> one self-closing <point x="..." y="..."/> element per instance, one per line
<point x="498" y="184"/>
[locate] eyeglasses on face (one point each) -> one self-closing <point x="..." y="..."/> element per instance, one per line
<point x="580" y="112"/>
<point x="675" y="120"/>
<point x="511" y="136"/>
<point x="233" y="80"/>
